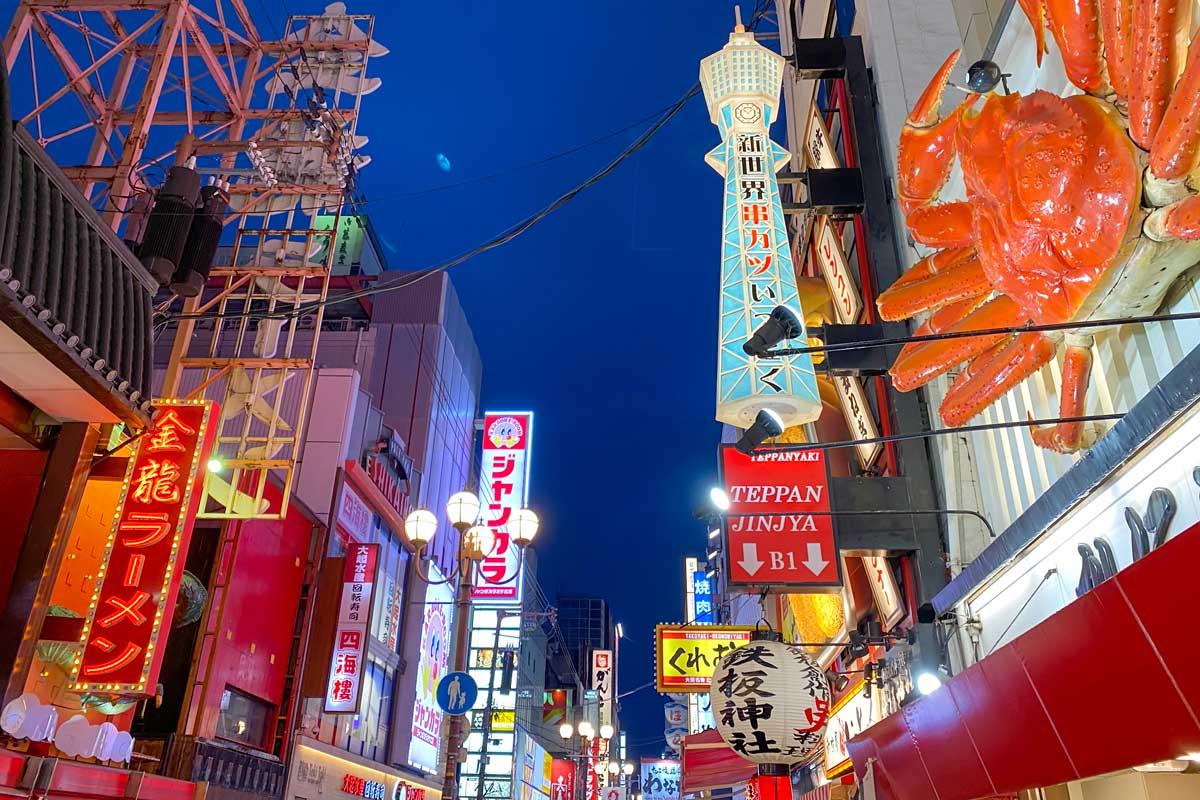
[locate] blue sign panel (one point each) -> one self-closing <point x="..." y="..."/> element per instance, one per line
<point x="456" y="693"/>
<point x="702" y="594"/>
<point x="741" y="84"/>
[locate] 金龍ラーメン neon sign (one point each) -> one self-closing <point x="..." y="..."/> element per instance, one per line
<point x="138" y="580"/>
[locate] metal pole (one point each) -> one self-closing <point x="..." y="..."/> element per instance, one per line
<point x="462" y="608"/>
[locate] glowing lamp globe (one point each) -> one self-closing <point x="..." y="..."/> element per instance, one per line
<point x="627" y="768"/>
<point x="586" y="730"/>
<point x="566" y="730"/>
<point x="420" y="526"/>
<point x="613" y="768"/>
<point x="479" y="542"/>
<point x="463" y="509"/>
<point x="523" y="526"/>
<point x="606" y="731"/>
<point x="770" y="701"/>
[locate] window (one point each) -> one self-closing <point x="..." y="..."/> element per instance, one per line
<point x="244" y="718"/>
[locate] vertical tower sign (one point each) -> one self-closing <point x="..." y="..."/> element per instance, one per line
<point x="741" y="87"/>
<point x="138" y="582"/>
<point x="504" y="475"/>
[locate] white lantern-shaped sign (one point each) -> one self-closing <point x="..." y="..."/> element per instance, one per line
<point x="771" y="702"/>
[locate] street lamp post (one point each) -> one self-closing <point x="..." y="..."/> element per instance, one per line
<point x="476" y="542"/>
<point x="582" y="735"/>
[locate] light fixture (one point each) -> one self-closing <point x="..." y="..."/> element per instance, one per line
<point x="523" y="526"/>
<point x="463" y="509"/>
<point x="215" y="464"/>
<point x="719" y="499"/>
<point x="586" y="730"/>
<point x="566" y="730"/>
<point x="767" y="425"/>
<point x="711" y="572"/>
<point x="613" y="768"/>
<point x="984" y="76"/>
<point x="479" y="542"/>
<point x="606" y="731"/>
<point x="714" y="533"/>
<point x="620" y="631"/>
<point x="928" y="682"/>
<point x="858" y="647"/>
<point x="782" y="324"/>
<point x="420" y="526"/>
<point x="1191" y="757"/>
<point x="713" y="555"/>
<point x="627" y="768"/>
<point x="837" y="681"/>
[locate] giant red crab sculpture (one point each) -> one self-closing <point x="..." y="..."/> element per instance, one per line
<point x="1076" y="208"/>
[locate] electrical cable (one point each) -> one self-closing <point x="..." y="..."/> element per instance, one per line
<point x="413" y="277"/>
<point x="1049" y="573"/>
<point x="937" y="337"/>
<point x="902" y="437"/>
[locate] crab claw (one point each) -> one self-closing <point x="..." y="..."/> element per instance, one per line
<point x="1035" y="11"/>
<point x="950" y="276"/>
<point x="929" y="359"/>
<point x="926" y="144"/>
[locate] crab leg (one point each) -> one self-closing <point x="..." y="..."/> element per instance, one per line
<point x="962" y="278"/>
<point x="930" y="359"/>
<point x="1116" y="21"/>
<point x="941" y="320"/>
<point x="943" y="225"/>
<point x="1180" y="220"/>
<point x="1035" y="11"/>
<point x="1177" y="144"/>
<point x="1065" y="437"/>
<point x="1075" y="25"/>
<point x="983" y="384"/>
<point x="933" y="264"/>
<point x="1153" y="75"/>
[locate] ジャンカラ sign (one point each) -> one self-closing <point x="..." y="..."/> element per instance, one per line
<point x="139" y="577"/>
<point x="792" y="544"/>
<point x="502" y="491"/>
<point x="348" y="659"/>
<point x="687" y="655"/>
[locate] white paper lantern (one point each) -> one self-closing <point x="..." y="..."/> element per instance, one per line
<point x="770" y="701"/>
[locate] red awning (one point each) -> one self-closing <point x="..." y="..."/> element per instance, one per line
<point x="709" y="763"/>
<point x="1110" y="682"/>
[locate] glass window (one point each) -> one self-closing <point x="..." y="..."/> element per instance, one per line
<point x="243" y="718"/>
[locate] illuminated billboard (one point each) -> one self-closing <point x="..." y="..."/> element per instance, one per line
<point x="503" y="489"/>
<point x="436" y="631"/>
<point x="687" y="655"/>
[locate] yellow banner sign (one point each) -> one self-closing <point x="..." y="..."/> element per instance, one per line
<point x="688" y="654"/>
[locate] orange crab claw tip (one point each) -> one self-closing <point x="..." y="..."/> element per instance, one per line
<point x="925" y="112"/>
<point x="1035" y="12"/>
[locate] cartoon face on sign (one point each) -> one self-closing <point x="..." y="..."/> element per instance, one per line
<point x="505" y="432"/>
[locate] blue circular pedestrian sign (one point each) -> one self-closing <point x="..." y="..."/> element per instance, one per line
<point x="456" y="693"/>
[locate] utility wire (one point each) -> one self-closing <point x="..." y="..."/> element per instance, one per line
<point x="413" y="277"/>
<point x="937" y="337"/>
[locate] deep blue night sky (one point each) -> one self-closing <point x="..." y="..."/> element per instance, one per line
<point x="602" y="319"/>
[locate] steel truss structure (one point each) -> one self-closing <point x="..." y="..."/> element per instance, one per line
<point x="121" y="90"/>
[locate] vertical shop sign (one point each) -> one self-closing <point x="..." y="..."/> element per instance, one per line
<point x="793" y="542"/>
<point x="350" y="637"/>
<point x="503" y="490"/>
<point x="698" y="601"/>
<point x="742" y="84"/>
<point x="591" y="788"/>
<point x="847" y="300"/>
<point x="602" y="682"/>
<point x="139" y="577"/>
<point x="885" y="591"/>
<point x="562" y="779"/>
<point x="354" y="517"/>
<point x="432" y="665"/>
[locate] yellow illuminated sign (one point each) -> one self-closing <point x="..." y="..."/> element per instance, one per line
<point x="688" y="654"/>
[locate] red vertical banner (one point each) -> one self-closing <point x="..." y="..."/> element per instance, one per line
<point x="562" y="779"/>
<point x="348" y="658"/>
<point x="143" y="562"/>
<point x="591" y="763"/>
